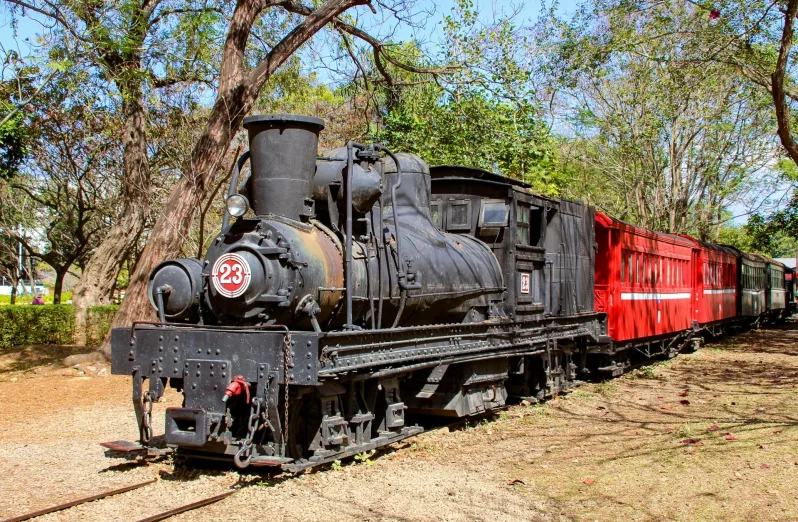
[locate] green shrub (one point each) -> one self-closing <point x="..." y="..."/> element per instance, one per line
<point x="98" y="322"/>
<point x="45" y="324"/>
<point x="51" y="324"/>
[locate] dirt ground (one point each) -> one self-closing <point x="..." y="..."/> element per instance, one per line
<point x="707" y="436"/>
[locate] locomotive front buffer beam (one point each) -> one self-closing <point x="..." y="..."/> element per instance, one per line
<point x="219" y="370"/>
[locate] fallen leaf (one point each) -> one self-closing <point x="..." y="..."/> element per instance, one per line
<point x="777" y="432"/>
<point x="684" y="394"/>
<point x="516" y="481"/>
<point x="730" y="437"/>
<point x="589" y="480"/>
<point x="660" y="397"/>
<point x="764" y="466"/>
<point x="684" y="402"/>
<point x="714" y="427"/>
<point x="775" y="380"/>
<point x="667" y="407"/>
<point x="690" y="442"/>
<point x="601" y="408"/>
<point x="669" y="429"/>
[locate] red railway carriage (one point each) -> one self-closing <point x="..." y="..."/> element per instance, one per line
<point x="642" y="281"/>
<point x="714" y="283"/>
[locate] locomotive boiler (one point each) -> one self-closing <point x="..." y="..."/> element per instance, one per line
<point x="335" y="299"/>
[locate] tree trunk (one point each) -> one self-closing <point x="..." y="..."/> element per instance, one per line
<point x="14" y="292"/>
<point x="59" y="283"/>
<point x="99" y="276"/>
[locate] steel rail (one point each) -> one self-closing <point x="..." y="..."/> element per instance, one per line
<point x="79" y="501"/>
<point x="187" y="507"/>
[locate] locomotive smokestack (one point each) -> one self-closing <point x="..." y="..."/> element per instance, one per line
<point x="283" y="158"/>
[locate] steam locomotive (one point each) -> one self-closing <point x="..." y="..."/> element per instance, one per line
<point x="346" y="291"/>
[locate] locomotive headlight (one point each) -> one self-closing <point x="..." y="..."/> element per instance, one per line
<point x="237" y="205"/>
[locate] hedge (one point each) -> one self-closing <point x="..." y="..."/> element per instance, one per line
<point x="51" y="324"/>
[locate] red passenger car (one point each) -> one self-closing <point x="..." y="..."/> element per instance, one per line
<point x="643" y="281"/>
<point x="715" y="284"/>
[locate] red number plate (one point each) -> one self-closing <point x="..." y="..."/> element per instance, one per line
<point x="231" y="275"/>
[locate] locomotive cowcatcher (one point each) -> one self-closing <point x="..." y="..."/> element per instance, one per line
<point x="346" y="291"/>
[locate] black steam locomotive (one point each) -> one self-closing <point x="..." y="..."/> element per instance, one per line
<point x="361" y="286"/>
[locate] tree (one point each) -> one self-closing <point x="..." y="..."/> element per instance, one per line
<point x="140" y="52"/>
<point x="68" y="183"/>
<point x="661" y="141"/>
<point x="9" y="263"/>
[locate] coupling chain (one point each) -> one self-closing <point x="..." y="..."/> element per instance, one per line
<point x="145" y="432"/>
<point x="287" y="357"/>
<point x="244" y="455"/>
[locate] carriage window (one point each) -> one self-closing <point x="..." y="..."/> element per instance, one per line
<point x="631" y="266"/>
<point x="522" y="225"/>
<point x="637" y="267"/>
<point x="458" y="215"/>
<point x="435" y="213"/>
<point x="494" y="214"/>
<point x="655" y="273"/>
<point x="623" y="266"/>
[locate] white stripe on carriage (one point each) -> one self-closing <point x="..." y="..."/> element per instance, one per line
<point x="755" y="292"/>
<point x="719" y="291"/>
<point x="642" y="296"/>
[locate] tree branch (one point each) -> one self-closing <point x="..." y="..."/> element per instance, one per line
<point x="778" y="91"/>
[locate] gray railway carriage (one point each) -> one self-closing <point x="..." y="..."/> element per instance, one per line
<point x="360" y="286"/>
<point x="753" y="286"/>
<point x="776" y="295"/>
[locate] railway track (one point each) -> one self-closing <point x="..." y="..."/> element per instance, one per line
<point x="206" y="501"/>
<point x="160" y="516"/>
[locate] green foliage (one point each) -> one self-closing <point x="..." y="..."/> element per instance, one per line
<point x="14" y="138"/>
<point x="474" y="130"/>
<point x="735" y="236"/>
<point x="50" y="324"/>
<point x="775" y="235"/>
<point x="98" y="321"/>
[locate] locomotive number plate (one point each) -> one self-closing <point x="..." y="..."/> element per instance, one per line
<point x="231" y="275"/>
<point x="524" y="283"/>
